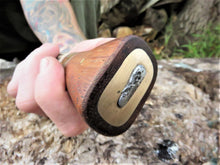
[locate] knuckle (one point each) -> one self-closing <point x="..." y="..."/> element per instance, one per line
<point x="26" y="106"/>
<point x="18" y="69"/>
<point x="11" y="90"/>
<point x="71" y="131"/>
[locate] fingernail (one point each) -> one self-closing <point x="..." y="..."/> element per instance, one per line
<point x="43" y="64"/>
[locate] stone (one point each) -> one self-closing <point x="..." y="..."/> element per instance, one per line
<point x="172" y="116"/>
<point x="122" y="32"/>
<point x="167" y="150"/>
<point x="7" y="68"/>
<point x="213" y="124"/>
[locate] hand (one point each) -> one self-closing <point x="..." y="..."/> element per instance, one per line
<point x="38" y="84"/>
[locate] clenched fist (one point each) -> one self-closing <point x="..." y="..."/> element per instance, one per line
<point x="38" y="84"/>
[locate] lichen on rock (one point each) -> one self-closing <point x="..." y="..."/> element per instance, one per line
<point x="176" y="111"/>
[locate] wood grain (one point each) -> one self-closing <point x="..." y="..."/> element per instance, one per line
<point x="84" y="69"/>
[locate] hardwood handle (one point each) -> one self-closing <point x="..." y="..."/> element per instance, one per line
<point x="97" y="79"/>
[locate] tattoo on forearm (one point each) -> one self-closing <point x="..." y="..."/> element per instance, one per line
<point x="52" y="21"/>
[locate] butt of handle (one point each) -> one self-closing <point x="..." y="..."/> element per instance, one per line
<point x="110" y="84"/>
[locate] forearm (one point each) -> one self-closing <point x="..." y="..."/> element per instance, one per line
<point x="54" y="22"/>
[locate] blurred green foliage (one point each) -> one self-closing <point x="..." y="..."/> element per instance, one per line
<point x="206" y="44"/>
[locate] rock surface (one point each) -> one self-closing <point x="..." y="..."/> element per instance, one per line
<point x="178" y="125"/>
<point x="7" y="68"/>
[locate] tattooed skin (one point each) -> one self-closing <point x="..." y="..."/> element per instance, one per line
<point x="53" y="21"/>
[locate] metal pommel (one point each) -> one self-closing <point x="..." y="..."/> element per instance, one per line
<point x="134" y="81"/>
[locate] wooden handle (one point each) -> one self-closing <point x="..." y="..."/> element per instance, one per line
<point x="110" y="84"/>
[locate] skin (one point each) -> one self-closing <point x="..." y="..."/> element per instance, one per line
<point x="53" y="21"/>
<point x="38" y="83"/>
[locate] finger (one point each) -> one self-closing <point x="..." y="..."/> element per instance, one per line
<point x="47" y="49"/>
<point x="25" y="100"/>
<point x="35" y="57"/>
<point x="51" y="96"/>
<point x="13" y="84"/>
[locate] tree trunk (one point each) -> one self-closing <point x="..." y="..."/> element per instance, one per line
<point x="195" y="16"/>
